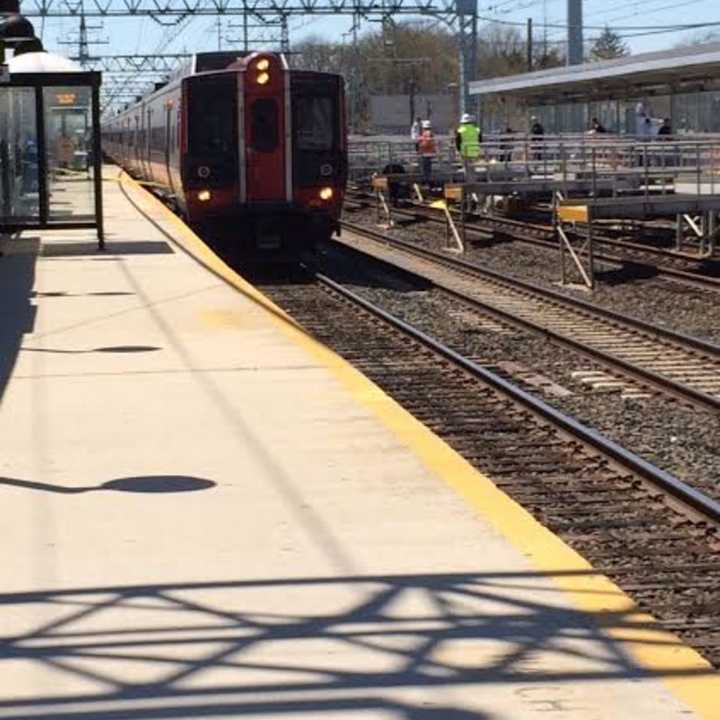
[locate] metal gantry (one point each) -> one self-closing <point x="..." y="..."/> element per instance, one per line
<point x="134" y="64"/>
<point x="459" y="15"/>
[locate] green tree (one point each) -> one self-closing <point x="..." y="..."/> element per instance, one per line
<point x="608" y="45"/>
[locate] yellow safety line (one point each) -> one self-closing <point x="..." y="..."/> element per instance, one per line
<point x="654" y="650"/>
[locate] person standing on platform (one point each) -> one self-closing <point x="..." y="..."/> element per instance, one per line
<point x="427" y="150"/>
<point x="665" y="133"/>
<point x="416" y="131"/>
<point x="467" y="143"/>
<point x="597" y="127"/>
<point x="506" y="146"/>
<point x="536" y="133"/>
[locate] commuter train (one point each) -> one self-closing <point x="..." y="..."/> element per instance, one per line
<point x="242" y="145"/>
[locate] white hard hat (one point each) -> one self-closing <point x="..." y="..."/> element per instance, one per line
<point x="466" y="118"/>
<point x="426" y="124"/>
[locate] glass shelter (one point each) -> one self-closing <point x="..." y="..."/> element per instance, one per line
<point x="50" y="155"/>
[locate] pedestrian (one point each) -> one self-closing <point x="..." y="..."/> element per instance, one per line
<point x="597" y="127"/>
<point x="641" y="118"/>
<point x="536" y="128"/>
<point x="426" y="149"/>
<point x="536" y="133"/>
<point x="416" y="131"/>
<point x="467" y="142"/>
<point x="665" y="133"/>
<point x="506" y="145"/>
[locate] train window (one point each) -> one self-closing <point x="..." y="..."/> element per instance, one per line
<point x="314" y="123"/>
<point x="213" y="116"/>
<point x="264" y="125"/>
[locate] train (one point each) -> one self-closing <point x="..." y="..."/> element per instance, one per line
<point x="243" y="147"/>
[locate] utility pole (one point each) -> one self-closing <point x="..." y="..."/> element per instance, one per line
<point x="83" y="42"/>
<point x="467" y="20"/>
<point x="529" y="45"/>
<point x="575" y="32"/>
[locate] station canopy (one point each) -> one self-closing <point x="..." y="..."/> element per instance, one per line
<point x="679" y="70"/>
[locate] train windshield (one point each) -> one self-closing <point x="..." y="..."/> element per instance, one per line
<point x="264" y="125"/>
<point x="314" y="121"/>
<point x="214" y="102"/>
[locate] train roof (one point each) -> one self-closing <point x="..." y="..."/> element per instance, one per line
<point x="622" y="77"/>
<point x="209" y="61"/>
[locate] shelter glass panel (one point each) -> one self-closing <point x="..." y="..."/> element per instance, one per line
<point x="68" y="138"/>
<point x="19" y="199"/>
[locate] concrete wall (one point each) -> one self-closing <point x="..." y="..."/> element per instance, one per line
<point x="391" y="113"/>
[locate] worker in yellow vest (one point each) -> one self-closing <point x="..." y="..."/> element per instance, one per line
<point x="467" y="142"/>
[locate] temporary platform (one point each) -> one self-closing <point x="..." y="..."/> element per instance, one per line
<point x="206" y="514"/>
<point x="681" y="84"/>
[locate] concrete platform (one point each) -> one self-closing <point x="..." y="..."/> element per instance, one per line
<point x="205" y="514"/>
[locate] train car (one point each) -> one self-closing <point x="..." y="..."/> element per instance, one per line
<point x="243" y="146"/>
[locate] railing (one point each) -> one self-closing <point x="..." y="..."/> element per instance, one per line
<point x="650" y="160"/>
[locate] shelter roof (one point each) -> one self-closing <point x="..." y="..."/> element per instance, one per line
<point x="621" y="77"/>
<point x="42" y="62"/>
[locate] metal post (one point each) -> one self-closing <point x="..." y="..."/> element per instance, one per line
<point x="697" y="160"/>
<point x="467" y="41"/>
<point x="43" y="194"/>
<point x="712" y="170"/>
<point x="591" y="254"/>
<point x="558" y="234"/>
<point x="97" y="165"/>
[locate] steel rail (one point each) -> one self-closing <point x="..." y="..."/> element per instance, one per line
<point x="639" y="374"/>
<point x="513" y="229"/>
<point x="698" y="501"/>
<point x="470" y="268"/>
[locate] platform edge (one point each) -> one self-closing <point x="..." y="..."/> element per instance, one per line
<point x="659" y="652"/>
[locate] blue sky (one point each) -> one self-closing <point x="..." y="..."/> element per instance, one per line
<point x="145" y="35"/>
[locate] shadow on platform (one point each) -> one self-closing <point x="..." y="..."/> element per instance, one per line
<point x="73" y="249"/>
<point x="110" y="349"/>
<point x="140" y="484"/>
<point x="63" y="294"/>
<point x="17" y="314"/>
<point x="336" y="647"/>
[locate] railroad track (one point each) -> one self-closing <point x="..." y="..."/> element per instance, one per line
<point x="541" y="235"/>
<point x="652" y="534"/>
<point x="642" y="359"/>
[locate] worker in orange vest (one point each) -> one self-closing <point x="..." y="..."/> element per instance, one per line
<point x="427" y="150"/>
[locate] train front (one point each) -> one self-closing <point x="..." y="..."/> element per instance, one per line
<point x="265" y="163"/>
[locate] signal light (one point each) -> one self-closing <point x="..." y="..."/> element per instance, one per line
<point x="263" y="78"/>
<point x="263" y="64"/>
<point x="204" y="195"/>
<point x="326" y="193"/>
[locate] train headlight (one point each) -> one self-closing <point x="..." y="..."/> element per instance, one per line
<point x="263" y="64"/>
<point x="263" y="78"/>
<point x="326" y="193"/>
<point x="204" y="195"/>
